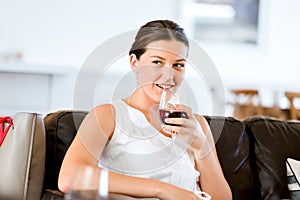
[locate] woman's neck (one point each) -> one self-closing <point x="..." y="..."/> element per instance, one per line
<point x="148" y="108"/>
<point x="140" y="103"/>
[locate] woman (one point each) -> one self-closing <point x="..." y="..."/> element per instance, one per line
<point x="128" y="138"/>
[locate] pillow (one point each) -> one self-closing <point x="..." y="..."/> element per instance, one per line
<point x="293" y="177"/>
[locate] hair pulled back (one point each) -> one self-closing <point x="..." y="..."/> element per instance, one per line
<point x="155" y="31"/>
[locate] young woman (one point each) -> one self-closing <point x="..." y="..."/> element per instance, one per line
<point x="128" y="138"/>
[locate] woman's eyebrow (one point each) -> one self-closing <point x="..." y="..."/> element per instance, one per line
<point x="182" y="59"/>
<point x="178" y="60"/>
<point x="158" y="57"/>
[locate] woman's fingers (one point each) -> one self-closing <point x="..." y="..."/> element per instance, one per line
<point x="177" y="121"/>
<point x="185" y="108"/>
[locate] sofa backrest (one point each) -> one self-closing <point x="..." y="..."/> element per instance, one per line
<point x="252" y="152"/>
<point x="232" y="144"/>
<point x="273" y="142"/>
<point x="61" y="128"/>
<point x="233" y="149"/>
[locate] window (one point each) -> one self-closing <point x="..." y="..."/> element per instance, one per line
<point x="223" y="20"/>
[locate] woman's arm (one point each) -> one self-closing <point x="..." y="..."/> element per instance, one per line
<point x="102" y="122"/>
<point x="212" y="179"/>
<point x="195" y="132"/>
<point x="88" y="143"/>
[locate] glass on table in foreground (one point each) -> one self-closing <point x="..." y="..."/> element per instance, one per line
<point x="88" y="183"/>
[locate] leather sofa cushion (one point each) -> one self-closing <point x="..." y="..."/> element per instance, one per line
<point x="232" y="145"/>
<point x="273" y="141"/>
<point x="61" y="128"/>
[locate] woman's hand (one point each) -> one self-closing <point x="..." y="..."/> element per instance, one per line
<point x="189" y="131"/>
<point x="171" y="192"/>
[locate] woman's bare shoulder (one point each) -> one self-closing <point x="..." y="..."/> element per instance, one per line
<point x="104" y="109"/>
<point x="104" y="116"/>
<point x="203" y="122"/>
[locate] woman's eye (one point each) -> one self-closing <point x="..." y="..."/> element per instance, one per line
<point x="179" y="65"/>
<point x="156" y="62"/>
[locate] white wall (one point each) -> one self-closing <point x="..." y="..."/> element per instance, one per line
<point x="66" y="32"/>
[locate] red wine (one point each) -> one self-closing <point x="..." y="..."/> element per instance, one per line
<point x="172" y="114"/>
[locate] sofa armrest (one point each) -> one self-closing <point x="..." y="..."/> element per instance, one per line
<point x="22" y="158"/>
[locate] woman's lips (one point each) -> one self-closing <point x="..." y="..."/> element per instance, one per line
<point x="164" y="86"/>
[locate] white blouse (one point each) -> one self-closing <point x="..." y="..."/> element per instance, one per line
<point x="138" y="149"/>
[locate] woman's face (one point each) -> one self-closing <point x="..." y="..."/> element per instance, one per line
<point x="161" y="67"/>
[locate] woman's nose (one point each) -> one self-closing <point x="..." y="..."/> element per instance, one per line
<point x="168" y="72"/>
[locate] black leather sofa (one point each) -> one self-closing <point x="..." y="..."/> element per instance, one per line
<point x="252" y="152"/>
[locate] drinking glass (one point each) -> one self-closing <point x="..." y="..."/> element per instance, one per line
<point x="167" y="110"/>
<point x="88" y="183"/>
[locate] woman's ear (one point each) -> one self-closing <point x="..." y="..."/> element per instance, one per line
<point x="133" y="62"/>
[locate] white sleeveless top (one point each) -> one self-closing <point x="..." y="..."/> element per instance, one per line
<point x="138" y="149"/>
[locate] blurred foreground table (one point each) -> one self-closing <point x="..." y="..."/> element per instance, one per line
<point x="56" y="195"/>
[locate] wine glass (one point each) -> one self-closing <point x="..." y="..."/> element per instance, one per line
<point x="88" y="183"/>
<point x="167" y="110"/>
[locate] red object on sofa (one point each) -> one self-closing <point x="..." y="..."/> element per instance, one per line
<point x="4" y="130"/>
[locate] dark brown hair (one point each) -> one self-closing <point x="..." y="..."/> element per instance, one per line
<point x="154" y="31"/>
